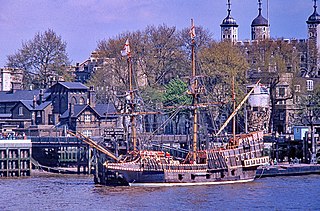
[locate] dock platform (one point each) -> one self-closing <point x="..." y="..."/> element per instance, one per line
<point x="15" y="157"/>
<point x="287" y="170"/>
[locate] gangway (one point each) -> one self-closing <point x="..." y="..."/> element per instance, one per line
<point x="58" y="170"/>
<point x="94" y="144"/>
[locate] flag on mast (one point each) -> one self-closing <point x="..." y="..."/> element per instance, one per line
<point x="192" y="30"/>
<point x="126" y="49"/>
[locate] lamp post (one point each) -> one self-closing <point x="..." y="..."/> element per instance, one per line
<point x="276" y="141"/>
<point x="313" y="146"/>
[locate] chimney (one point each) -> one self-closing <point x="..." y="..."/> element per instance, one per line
<point x="71" y="109"/>
<point x="92" y="97"/>
<point x="34" y="102"/>
<point x="40" y="96"/>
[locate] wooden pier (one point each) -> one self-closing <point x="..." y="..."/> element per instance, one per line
<point x="287" y="170"/>
<point x="15" y="157"/>
<point x="57" y="153"/>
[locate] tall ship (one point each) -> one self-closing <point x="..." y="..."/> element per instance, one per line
<point x="234" y="162"/>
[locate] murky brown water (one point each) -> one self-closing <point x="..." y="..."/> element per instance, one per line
<point x="60" y="192"/>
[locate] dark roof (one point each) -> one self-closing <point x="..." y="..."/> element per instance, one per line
<point x="315" y="17"/>
<point x="229" y="21"/>
<point x="28" y="104"/>
<point x="5" y="115"/>
<point x="260" y="21"/>
<point x="43" y="105"/>
<point x="73" y="85"/>
<point x="77" y="109"/>
<point x="20" y="95"/>
<point x="102" y="109"/>
<point x="65" y="114"/>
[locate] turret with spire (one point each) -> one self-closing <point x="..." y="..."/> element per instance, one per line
<point x="314" y="26"/>
<point x="313" y="41"/>
<point x="229" y="27"/>
<point x="260" y="29"/>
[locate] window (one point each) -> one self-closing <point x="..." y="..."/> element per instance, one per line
<point x="309" y="85"/>
<point x="282" y="92"/>
<point x="296" y="99"/>
<point x="73" y="101"/>
<point x="282" y="116"/>
<point x="297" y="88"/>
<point x="50" y="119"/>
<point x="81" y="101"/>
<point x="87" y="118"/>
<point x="87" y="133"/>
<point x="21" y="111"/>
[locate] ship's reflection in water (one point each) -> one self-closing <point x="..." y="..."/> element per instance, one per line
<point x="59" y="192"/>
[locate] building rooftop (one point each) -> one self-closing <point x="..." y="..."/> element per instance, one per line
<point x="73" y="85"/>
<point x="20" y="95"/>
<point x="260" y="20"/>
<point x="315" y="17"/>
<point x="229" y="20"/>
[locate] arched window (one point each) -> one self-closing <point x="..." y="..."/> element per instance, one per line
<point x="73" y="101"/>
<point x="81" y="101"/>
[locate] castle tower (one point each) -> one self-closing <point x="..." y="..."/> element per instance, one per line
<point x="313" y="42"/>
<point x="260" y="29"/>
<point x="229" y="27"/>
<point x="314" y="26"/>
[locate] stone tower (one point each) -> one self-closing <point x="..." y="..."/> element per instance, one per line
<point x="229" y="27"/>
<point x="260" y="29"/>
<point x="313" y="41"/>
<point x="314" y="26"/>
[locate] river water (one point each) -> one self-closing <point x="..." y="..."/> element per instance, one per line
<point x="45" y="191"/>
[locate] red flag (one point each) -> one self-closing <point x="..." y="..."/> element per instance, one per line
<point x="192" y="30"/>
<point x="126" y="49"/>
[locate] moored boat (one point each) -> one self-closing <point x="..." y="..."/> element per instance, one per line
<point x="232" y="163"/>
<point x="236" y="163"/>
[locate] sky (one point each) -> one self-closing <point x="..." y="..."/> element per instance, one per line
<point x="83" y="23"/>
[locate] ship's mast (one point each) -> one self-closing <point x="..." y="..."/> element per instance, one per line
<point x="194" y="92"/>
<point x="234" y="108"/>
<point x="127" y="52"/>
<point x="132" y="107"/>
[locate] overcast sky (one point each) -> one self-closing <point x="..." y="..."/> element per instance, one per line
<point x="82" y="23"/>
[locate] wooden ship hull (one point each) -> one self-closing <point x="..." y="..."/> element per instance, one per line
<point x="233" y="164"/>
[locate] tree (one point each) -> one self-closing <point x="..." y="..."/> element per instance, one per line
<point x="221" y="64"/>
<point x="176" y="94"/>
<point x="43" y="58"/>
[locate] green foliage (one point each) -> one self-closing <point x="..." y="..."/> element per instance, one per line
<point x="176" y="93"/>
